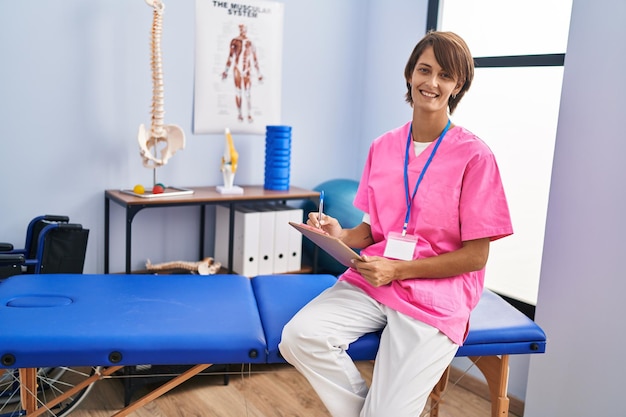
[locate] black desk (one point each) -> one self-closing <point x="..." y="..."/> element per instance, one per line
<point x="202" y="196"/>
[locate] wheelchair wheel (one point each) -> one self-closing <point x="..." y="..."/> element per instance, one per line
<point x="51" y="383"/>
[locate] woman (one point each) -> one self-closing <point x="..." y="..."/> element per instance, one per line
<point x="433" y="201"/>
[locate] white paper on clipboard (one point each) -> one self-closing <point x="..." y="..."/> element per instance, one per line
<point x="333" y="246"/>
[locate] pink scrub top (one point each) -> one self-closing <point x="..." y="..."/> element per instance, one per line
<point x="460" y="198"/>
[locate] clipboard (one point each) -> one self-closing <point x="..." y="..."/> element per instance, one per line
<point x="333" y="246"/>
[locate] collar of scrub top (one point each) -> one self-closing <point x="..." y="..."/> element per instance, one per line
<point x="409" y="198"/>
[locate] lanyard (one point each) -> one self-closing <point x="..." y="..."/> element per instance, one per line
<point x="409" y="199"/>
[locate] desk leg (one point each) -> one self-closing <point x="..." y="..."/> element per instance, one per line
<point x="231" y="236"/>
<point x="202" y="231"/>
<point x="129" y="239"/>
<point x="107" y="209"/>
<point x="496" y="372"/>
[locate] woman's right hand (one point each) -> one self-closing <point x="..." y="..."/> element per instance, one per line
<point x="328" y="224"/>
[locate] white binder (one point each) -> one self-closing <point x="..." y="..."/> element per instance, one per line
<point x="294" y="238"/>
<point x="281" y="238"/>
<point x="246" y="239"/>
<point x="266" y="244"/>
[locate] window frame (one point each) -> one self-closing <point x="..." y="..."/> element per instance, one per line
<point x="503" y="61"/>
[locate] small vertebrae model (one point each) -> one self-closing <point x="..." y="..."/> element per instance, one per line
<point x="207" y="266"/>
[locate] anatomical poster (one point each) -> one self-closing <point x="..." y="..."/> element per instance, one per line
<point x="238" y="66"/>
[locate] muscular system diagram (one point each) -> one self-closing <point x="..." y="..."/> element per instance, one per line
<point x="243" y="56"/>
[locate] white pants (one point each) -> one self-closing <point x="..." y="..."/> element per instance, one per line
<point x="411" y="358"/>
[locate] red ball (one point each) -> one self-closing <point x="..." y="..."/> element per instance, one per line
<point x="157" y="189"/>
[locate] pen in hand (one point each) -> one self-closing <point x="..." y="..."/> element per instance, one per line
<point x="321" y="210"/>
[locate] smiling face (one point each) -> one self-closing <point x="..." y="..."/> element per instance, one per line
<point x="435" y="52"/>
<point x="431" y="85"/>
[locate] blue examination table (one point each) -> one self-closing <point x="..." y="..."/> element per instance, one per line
<point x="118" y="320"/>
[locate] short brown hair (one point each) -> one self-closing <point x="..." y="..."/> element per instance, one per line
<point x="452" y="54"/>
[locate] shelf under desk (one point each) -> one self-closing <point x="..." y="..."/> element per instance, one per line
<point x="202" y="197"/>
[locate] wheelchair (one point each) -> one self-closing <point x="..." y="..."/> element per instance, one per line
<point x="53" y="245"/>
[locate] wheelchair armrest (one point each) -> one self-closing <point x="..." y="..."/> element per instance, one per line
<point x="5" y="247"/>
<point x="11" y="259"/>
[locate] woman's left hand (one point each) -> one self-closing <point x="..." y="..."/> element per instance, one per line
<point x="377" y="270"/>
<point x="380" y="271"/>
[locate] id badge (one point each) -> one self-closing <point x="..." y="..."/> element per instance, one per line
<point x="400" y="247"/>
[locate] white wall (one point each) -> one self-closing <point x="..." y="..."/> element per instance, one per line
<point x="75" y="85"/>
<point x="581" y="293"/>
<point x="394" y="27"/>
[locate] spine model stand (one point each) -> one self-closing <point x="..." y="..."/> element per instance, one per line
<point x="161" y="139"/>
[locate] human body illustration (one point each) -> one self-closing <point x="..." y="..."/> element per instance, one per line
<point x="243" y="56"/>
<point x="433" y="200"/>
